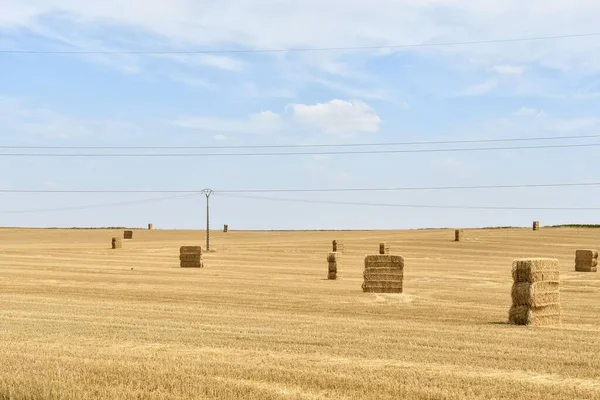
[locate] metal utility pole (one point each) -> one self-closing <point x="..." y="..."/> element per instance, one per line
<point x="207" y="193"/>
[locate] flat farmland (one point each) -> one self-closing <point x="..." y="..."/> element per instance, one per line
<point x="79" y="320"/>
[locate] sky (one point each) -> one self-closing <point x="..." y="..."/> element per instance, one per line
<point x="525" y="89"/>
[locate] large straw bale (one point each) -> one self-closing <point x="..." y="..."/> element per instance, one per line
<point x="586" y="260"/>
<point x="383" y="274"/>
<point x="225" y="228"/>
<point x="191" y="264"/>
<point x="333" y="265"/>
<point x="150" y="226"/>
<point x="128" y="235"/>
<point x="536" y="225"/>
<point x="535" y="295"/>
<point x="525" y="315"/>
<point x="535" y="270"/>
<point x="190" y="250"/>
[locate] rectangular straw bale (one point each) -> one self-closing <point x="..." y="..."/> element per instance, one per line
<point x="117" y="243"/>
<point x="384" y="248"/>
<point x="191" y="264"/>
<point x="457" y="235"/>
<point x="128" y="235"/>
<point x="190" y="250"/>
<point x="383" y="274"/>
<point x="150" y="227"/>
<point x="535" y="270"/>
<point x="225" y="228"/>
<point x="536" y="225"/>
<point x="586" y="260"/>
<point x="535" y="295"/>
<point x="190" y="257"/>
<point x="333" y="264"/>
<point x="337" y="246"/>
<point x="525" y="315"/>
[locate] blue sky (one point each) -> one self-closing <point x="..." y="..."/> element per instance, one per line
<point x="486" y="91"/>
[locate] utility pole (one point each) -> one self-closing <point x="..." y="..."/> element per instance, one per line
<point x="207" y="193"/>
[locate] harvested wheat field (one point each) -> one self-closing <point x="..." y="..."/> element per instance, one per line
<point x="262" y="321"/>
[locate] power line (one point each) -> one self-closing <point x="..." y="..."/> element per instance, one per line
<point x="306" y="190"/>
<point x="89" y="206"/>
<point x="411" y="205"/>
<point x="154" y="155"/>
<point x="298" y="50"/>
<point x="544" y="138"/>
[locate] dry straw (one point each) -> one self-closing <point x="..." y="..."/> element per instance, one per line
<point x="383" y="274"/>
<point x="384" y="248"/>
<point x="128" y="235"/>
<point x="337" y="246"/>
<point x="225" y="228"/>
<point x="458" y="235"/>
<point x="333" y="265"/>
<point x="190" y="257"/>
<point x="536" y="225"/>
<point x="586" y="260"/>
<point x="535" y="292"/>
<point x="117" y="243"/>
<point x="150" y="227"/>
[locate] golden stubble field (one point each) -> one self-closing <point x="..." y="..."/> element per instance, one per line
<point x="81" y="321"/>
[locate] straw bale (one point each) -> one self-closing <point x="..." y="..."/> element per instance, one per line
<point x="333" y="257"/>
<point x="150" y="227"/>
<point x="535" y="295"/>
<point x="524" y="315"/>
<point x="225" y="228"/>
<point x="384" y="248"/>
<point x="116" y="243"/>
<point x="535" y="270"/>
<point x="384" y="261"/>
<point x="586" y="261"/>
<point x="191" y="264"/>
<point x="332" y="276"/>
<point x="333" y="262"/>
<point x="190" y="257"/>
<point x="190" y="250"/>
<point x="128" y="235"/>
<point x="536" y="225"/>
<point x="337" y="246"/>
<point x="382" y="287"/>
<point x="457" y="235"/>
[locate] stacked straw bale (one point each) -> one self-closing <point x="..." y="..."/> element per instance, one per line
<point x="458" y="233"/>
<point x="338" y="247"/>
<point x="225" y="228"/>
<point x="128" y="235"/>
<point x="384" y="248"/>
<point x="586" y="260"/>
<point x="383" y="274"/>
<point x="150" y="227"/>
<point x="535" y="292"/>
<point x="536" y="225"/>
<point x="333" y="262"/>
<point x="116" y="243"/>
<point x="190" y="257"/>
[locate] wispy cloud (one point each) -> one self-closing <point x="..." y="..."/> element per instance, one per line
<point x="480" y="89"/>
<point x="509" y="69"/>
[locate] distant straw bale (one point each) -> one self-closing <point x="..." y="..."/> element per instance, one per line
<point x="536" y="225"/>
<point x="225" y="228"/>
<point x="337" y="246"/>
<point x="535" y="292"/>
<point x="458" y="233"/>
<point x="384" y="248"/>
<point x="128" y="235"/>
<point x="383" y="274"/>
<point x="333" y="265"/>
<point x="586" y="260"/>
<point x="116" y="243"/>
<point x="150" y="227"/>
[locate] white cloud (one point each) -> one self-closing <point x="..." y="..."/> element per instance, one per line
<point x="480" y="89"/>
<point x="189" y="24"/>
<point x="338" y="117"/>
<point x="509" y="69"/>
<point x="526" y="111"/>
